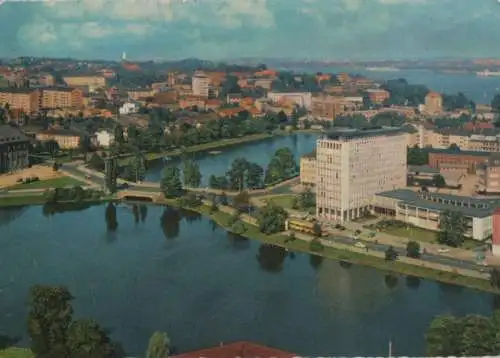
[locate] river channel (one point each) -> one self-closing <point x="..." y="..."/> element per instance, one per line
<point x="176" y="271"/>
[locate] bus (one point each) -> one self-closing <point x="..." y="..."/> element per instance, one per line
<point x="300" y="225"/>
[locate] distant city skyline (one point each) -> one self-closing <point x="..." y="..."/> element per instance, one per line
<point x="230" y="29"/>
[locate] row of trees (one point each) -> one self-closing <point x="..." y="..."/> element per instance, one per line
<point x="244" y="174"/>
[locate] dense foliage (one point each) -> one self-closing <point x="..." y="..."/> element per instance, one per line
<point x="452" y="228"/>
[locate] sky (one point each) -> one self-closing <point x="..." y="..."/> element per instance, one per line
<point x="232" y="29"/>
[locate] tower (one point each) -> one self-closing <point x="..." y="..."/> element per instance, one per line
<point x="124" y="56"/>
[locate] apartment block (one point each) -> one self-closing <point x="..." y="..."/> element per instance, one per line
<point x="24" y="99"/>
<point x="93" y="82"/>
<point x="62" y="97"/>
<point x="353" y="165"/>
<point x="200" y="84"/>
<point x="65" y="138"/>
<point x="433" y="103"/>
<point x="378" y="96"/>
<point x="308" y="169"/>
<point x="301" y="99"/>
<point x="327" y="107"/>
<point x="489" y="175"/>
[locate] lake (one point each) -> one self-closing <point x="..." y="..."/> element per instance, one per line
<point x="177" y="272"/>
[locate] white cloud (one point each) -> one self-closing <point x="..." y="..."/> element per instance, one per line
<point x="394" y="2"/>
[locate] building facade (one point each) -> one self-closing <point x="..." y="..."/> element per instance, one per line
<point x="326" y="107"/>
<point x="14" y="149"/>
<point x="495" y="238"/>
<point x="308" y="169"/>
<point x="200" y="84"/>
<point x="433" y="103"/>
<point x="65" y="138"/>
<point x="378" y="96"/>
<point x="25" y="99"/>
<point x="301" y="99"/>
<point x="445" y="158"/>
<point x="353" y="165"/>
<point x="489" y="175"/>
<point x="85" y="81"/>
<point x="62" y="97"/>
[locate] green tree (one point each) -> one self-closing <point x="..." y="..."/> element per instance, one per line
<point x="495" y="277"/>
<point x="271" y="219"/>
<point x="223" y="199"/>
<point x="236" y="174"/>
<point x="417" y="156"/>
<point x="318" y="231"/>
<point x="241" y="201"/>
<point x="254" y="173"/>
<point x="452" y="228"/>
<point x="49" y="317"/>
<point x="391" y="254"/>
<point x="137" y="167"/>
<point x="213" y="205"/>
<point x="238" y="227"/>
<point x="307" y="199"/>
<point x="282" y="166"/>
<point x="171" y="182"/>
<point x="191" y="174"/>
<point x="439" y="181"/>
<point x="158" y="346"/>
<point x="86" y="339"/>
<point x="118" y="135"/>
<point x="413" y="249"/>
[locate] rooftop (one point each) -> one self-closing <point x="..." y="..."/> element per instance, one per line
<point x="452" y="151"/>
<point x="17" y="90"/>
<point x="468" y="206"/>
<point x="10" y="134"/>
<point x="58" y="89"/>
<point x="238" y="349"/>
<point x="342" y="134"/>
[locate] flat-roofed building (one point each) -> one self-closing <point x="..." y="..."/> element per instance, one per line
<point x="200" y="84"/>
<point x="302" y="99"/>
<point x="308" y="169"/>
<point x="423" y="209"/>
<point x="14" y="149"/>
<point x="353" y="165"/>
<point x="489" y="174"/>
<point x="443" y="158"/>
<point x="91" y="81"/>
<point x="65" y="138"/>
<point x="25" y="99"/>
<point x="62" y="97"/>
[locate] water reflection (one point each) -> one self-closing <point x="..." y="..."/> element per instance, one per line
<point x="170" y="222"/>
<point x="412" y="282"/>
<point x="495" y="303"/>
<point x="135" y="212"/>
<point x="58" y="208"/>
<point x="345" y="264"/>
<point x="189" y="215"/>
<point x="391" y="281"/>
<point x="110" y="217"/>
<point x="8" y="215"/>
<point x="213" y="225"/>
<point x="449" y="288"/>
<point x="237" y="241"/>
<point x="143" y="209"/>
<point x="315" y="261"/>
<point x="271" y="257"/>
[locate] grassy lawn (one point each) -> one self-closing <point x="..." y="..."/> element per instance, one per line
<point x="419" y="234"/>
<point x="61" y="182"/>
<point x="285" y="201"/>
<point x="16" y="353"/>
<point x="21" y="200"/>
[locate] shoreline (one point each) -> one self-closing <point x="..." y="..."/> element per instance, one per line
<point x="224" y="143"/>
<point x="341" y="255"/>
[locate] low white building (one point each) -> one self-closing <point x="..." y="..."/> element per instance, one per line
<point x="104" y="138"/>
<point x="302" y="99"/>
<point x="129" y="108"/>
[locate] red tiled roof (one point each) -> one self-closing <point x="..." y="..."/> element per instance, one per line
<point x="240" y="349"/>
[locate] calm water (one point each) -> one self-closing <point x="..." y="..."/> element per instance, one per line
<point x="479" y="89"/>
<point x="189" y="278"/>
<point x="178" y="272"/>
<point x="259" y="152"/>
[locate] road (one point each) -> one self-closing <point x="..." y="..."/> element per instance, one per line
<point x="434" y="258"/>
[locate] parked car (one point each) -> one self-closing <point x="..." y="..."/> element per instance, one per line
<point x="443" y="251"/>
<point x="360" y="245"/>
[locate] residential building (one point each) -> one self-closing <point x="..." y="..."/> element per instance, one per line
<point x="265" y="83"/>
<point x="238" y="349"/>
<point x="129" y="108"/>
<point x="423" y="209"/>
<point x="354" y="165"/>
<point x="495" y="239"/>
<point x="328" y="107"/>
<point x="104" y="138"/>
<point x="47" y="80"/>
<point x="445" y="158"/>
<point x="140" y="93"/>
<point x="62" y="97"/>
<point x="308" y="169"/>
<point x="433" y="103"/>
<point x="378" y="96"/>
<point x="65" y="138"/>
<point x="200" y="84"/>
<point x="14" y="149"/>
<point x="90" y="81"/>
<point x="25" y="99"/>
<point x="489" y="174"/>
<point x="301" y="99"/>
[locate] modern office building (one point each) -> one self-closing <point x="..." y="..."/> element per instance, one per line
<point x="200" y="84"/>
<point x="353" y="165"/>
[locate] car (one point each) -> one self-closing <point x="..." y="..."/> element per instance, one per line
<point x="443" y="251"/>
<point x="124" y="186"/>
<point x="360" y="245"/>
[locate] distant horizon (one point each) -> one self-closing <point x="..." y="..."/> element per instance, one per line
<point x="336" y="30"/>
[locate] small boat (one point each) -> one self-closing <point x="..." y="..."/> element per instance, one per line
<point x="214" y="152"/>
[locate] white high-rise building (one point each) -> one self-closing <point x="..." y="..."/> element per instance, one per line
<point x="353" y="165"/>
<point x="200" y="84"/>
